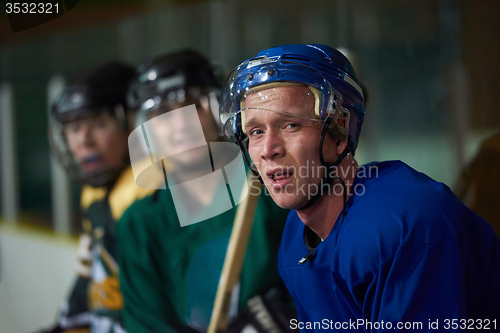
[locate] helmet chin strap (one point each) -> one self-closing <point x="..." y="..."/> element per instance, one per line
<point x="328" y="179"/>
<point x="247" y="161"/>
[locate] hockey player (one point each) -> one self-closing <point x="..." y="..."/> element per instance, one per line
<point x="88" y="134"/>
<point x="365" y="248"/>
<point x="478" y="182"/>
<point x="169" y="273"/>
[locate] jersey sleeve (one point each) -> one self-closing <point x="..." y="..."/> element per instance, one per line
<point x="437" y="286"/>
<point x="143" y="283"/>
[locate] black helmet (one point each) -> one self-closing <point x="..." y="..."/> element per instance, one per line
<point x="173" y="77"/>
<point x="104" y="87"/>
<point x="100" y="91"/>
<point x="183" y="80"/>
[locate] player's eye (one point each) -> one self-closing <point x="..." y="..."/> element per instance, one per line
<point x="73" y="127"/>
<point x="103" y="121"/>
<point x="255" y="132"/>
<point x="291" y="125"/>
<point x="100" y="123"/>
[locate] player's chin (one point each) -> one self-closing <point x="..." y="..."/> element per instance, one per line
<point x="287" y="199"/>
<point x="93" y="166"/>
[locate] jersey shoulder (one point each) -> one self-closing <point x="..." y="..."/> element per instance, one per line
<point x="397" y="199"/>
<point x="125" y="192"/>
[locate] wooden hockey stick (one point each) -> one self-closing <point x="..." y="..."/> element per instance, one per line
<point x="235" y="254"/>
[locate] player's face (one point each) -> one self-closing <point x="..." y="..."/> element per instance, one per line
<point x="97" y="142"/>
<point x="284" y="145"/>
<point x="179" y="133"/>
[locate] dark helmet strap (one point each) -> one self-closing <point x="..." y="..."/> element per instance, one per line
<point x="330" y="175"/>
<point x="250" y="165"/>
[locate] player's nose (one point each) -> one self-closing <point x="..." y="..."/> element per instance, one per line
<point x="86" y="134"/>
<point x="272" y="146"/>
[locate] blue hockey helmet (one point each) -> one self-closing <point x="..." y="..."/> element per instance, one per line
<point x="327" y="72"/>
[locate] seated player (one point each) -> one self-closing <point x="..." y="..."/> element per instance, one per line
<point x="172" y="244"/>
<point x="379" y="247"/>
<point x="88" y="134"/>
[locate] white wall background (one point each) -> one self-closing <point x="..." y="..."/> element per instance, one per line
<point x="36" y="272"/>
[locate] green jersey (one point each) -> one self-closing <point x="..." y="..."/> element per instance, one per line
<point x="169" y="274"/>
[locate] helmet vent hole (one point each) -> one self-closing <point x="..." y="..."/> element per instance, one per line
<point x="294" y="57"/>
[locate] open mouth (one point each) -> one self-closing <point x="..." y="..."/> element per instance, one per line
<point x="279" y="177"/>
<point x="92" y="162"/>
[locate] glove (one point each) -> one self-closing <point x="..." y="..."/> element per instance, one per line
<point x="265" y="314"/>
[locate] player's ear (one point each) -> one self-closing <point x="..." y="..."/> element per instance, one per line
<point x="342" y="122"/>
<point x="341" y="146"/>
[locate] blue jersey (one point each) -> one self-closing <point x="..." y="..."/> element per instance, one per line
<point x="408" y="252"/>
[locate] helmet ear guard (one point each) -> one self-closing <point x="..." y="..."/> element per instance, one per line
<point x="339" y="123"/>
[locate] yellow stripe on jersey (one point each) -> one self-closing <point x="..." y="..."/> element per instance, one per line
<point x="126" y="191"/>
<point x="87" y="225"/>
<point x="90" y="195"/>
<point x="122" y="195"/>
